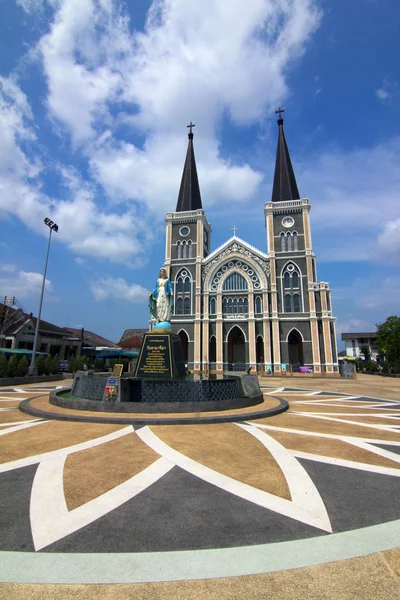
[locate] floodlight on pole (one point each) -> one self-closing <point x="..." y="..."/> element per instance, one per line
<point x="53" y="227"/>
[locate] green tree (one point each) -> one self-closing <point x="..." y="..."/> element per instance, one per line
<point x="367" y="353"/>
<point x="3" y="365"/>
<point x="40" y="364"/>
<point x="55" y="364"/>
<point x="48" y="364"/>
<point x="388" y="341"/>
<point x="23" y="365"/>
<point x="99" y="363"/>
<point x="12" y="366"/>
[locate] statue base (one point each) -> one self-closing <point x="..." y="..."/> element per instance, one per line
<point x="161" y="356"/>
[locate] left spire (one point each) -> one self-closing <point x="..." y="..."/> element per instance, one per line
<point x="189" y="193"/>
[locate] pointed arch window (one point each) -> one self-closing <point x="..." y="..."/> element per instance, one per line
<point x="286" y="280"/>
<point x="187" y="285"/>
<point x="296" y="303"/>
<point x="189" y="249"/>
<point x="295" y="241"/>
<point x="184" y="249"/>
<point x="288" y="303"/>
<point x="213" y="306"/>
<point x="179" y="306"/>
<point x="179" y="247"/>
<point x="257" y="305"/>
<point x="186" y="306"/>
<point x="289" y="241"/>
<point x="291" y="284"/>
<point x="283" y="242"/>
<point x="180" y="285"/>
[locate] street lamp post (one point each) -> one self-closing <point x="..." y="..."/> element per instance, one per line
<point x="53" y="227"/>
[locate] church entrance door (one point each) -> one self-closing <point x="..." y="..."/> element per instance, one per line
<point x="185" y="345"/>
<point x="236" y="346"/>
<point x="295" y="345"/>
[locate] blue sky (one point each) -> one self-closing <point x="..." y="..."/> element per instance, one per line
<point x="95" y="96"/>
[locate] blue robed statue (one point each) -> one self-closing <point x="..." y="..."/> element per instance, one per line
<point x="161" y="299"/>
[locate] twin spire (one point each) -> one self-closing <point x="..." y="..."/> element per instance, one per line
<point x="284" y="187"/>
<point x="189" y="193"/>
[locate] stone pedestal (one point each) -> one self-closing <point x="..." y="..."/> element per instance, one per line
<point x="160" y="356"/>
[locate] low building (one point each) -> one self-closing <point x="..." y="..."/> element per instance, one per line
<point x="356" y="341"/>
<point x="17" y="331"/>
<point x="132" y="344"/>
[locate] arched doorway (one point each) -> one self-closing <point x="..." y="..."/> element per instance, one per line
<point x="295" y="345"/>
<point x="259" y="350"/>
<point x="212" y="350"/>
<point x="185" y="345"/>
<point x="236" y="346"/>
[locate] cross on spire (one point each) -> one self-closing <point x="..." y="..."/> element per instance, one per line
<point x="191" y="125"/>
<point x="280" y="111"/>
<point x="234" y="228"/>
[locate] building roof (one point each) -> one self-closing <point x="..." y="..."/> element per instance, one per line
<point x="90" y="338"/>
<point x="285" y="186"/>
<point x="14" y="319"/>
<point x="129" y="333"/>
<point x="189" y="193"/>
<point x="132" y="342"/>
<point x="240" y="242"/>
<point x="359" y="334"/>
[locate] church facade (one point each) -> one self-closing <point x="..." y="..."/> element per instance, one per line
<point x="238" y="307"/>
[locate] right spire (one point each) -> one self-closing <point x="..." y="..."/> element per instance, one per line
<point x="285" y="186"/>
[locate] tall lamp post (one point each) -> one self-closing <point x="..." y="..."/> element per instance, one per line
<point x="53" y="227"/>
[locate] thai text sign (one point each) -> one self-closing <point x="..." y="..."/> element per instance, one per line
<point x="155" y="357"/>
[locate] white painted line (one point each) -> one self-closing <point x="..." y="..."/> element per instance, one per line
<point x="277" y="391"/>
<point x="340" y="462"/>
<point x="331" y="436"/>
<point x="49" y="515"/>
<point x="25" y="425"/>
<point x="242" y="490"/>
<point x="349" y="422"/>
<point x="302" y="488"/>
<point x="32" y="460"/>
<point x="376" y="450"/>
<point x="8" y="409"/>
<point x="146" y="567"/>
<point x="5" y="399"/>
<point x="19" y="423"/>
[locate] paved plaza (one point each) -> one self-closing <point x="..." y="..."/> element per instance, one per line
<point x="301" y="504"/>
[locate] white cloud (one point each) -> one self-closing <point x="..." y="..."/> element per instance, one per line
<point x="84" y="226"/>
<point x="373" y="293"/>
<point x="8" y="268"/>
<point x="382" y="94"/>
<point x="119" y="289"/>
<point x="107" y="84"/>
<point x="389" y="241"/>
<point x="351" y="325"/>
<point x="354" y="198"/>
<point x="192" y="61"/>
<point x="388" y="90"/>
<point x="23" y="285"/>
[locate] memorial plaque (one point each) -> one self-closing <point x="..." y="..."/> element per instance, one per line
<point x="117" y="370"/>
<point x="155" y="357"/>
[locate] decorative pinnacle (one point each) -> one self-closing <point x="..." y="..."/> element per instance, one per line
<point x="190" y="134"/>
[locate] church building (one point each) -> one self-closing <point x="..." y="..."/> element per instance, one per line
<point x="237" y="307"/>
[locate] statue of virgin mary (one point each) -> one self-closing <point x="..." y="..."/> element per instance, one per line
<point x="161" y="299"/>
